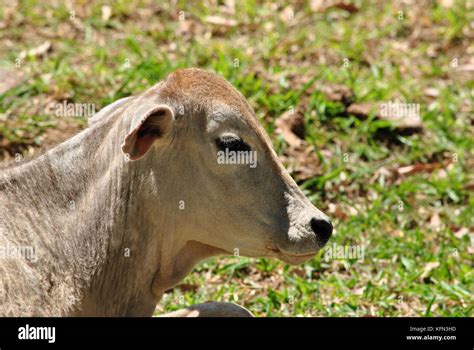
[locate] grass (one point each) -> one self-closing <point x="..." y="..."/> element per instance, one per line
<point x="403" y="222"/>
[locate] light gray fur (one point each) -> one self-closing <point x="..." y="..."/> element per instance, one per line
<point x="107" y="232"/>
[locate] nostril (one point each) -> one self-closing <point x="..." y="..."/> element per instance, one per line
<point x="322" y="228"/>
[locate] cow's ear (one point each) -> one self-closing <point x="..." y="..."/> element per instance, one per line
<point x="152" y="125"/>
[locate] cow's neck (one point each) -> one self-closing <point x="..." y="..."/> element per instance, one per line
<point x="91" y="214"/>
<point x="78" y="206"/>
<point x="42" y="209"/>
<point x="116" y="213"/>
<point x="129" y="227"/>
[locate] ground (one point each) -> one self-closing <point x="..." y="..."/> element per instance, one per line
<point x="314" y="72"/>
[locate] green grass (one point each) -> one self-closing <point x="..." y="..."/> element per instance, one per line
<point x="143" y="41"/>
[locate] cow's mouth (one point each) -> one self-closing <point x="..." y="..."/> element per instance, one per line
<point x="293" y="258"/>
<point x="296" y="259"/>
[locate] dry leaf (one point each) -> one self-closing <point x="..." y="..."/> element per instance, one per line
<point x="446" y="3"/>
<point x="346" y="6"/>
<point x="362" y="109"/>
<point x="229" y="6"/>
<point x="291" y="126"/>
<point x="466" y="68"/>
<point x="301" y="159"/>
<point x="299" y="272"/>
<point x="461" y="232"/>
<point x="419" y="168"/>
<point x="335" y="211"/>
<point x="435" y="222"/>
<point x="9" y="79"/>
<point x="221" y="21"/>
<point x="382" y="172"/>
<point x="352" y="211"/>
<point x="397" y="233"/>
<point x="303" y="162"/>
<point x="428" y="268"/>
<point x="337" y="93"/>
<point x="187" y="287"/>
<point x="332" y="208"/>
<point x="106" y="12"/>
<point x="403" y="119"/>
<point x="324" y="5"/>
<point x="39" y="51"/>
<point x="431" y="92"/>
<point x="287" y="14"/>
<point x="469" y="187"/>
<point x="442" y="174"/>
<point x="317" y="5"/>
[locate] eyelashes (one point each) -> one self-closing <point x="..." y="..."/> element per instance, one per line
<point x="232" y="143"/>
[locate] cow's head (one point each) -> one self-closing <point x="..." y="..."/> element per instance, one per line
<point x="216" y="171"/>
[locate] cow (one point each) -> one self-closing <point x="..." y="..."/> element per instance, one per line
<point x="104" y="223"/>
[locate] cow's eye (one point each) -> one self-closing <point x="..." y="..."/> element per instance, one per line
<point x="232" y="143"/>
